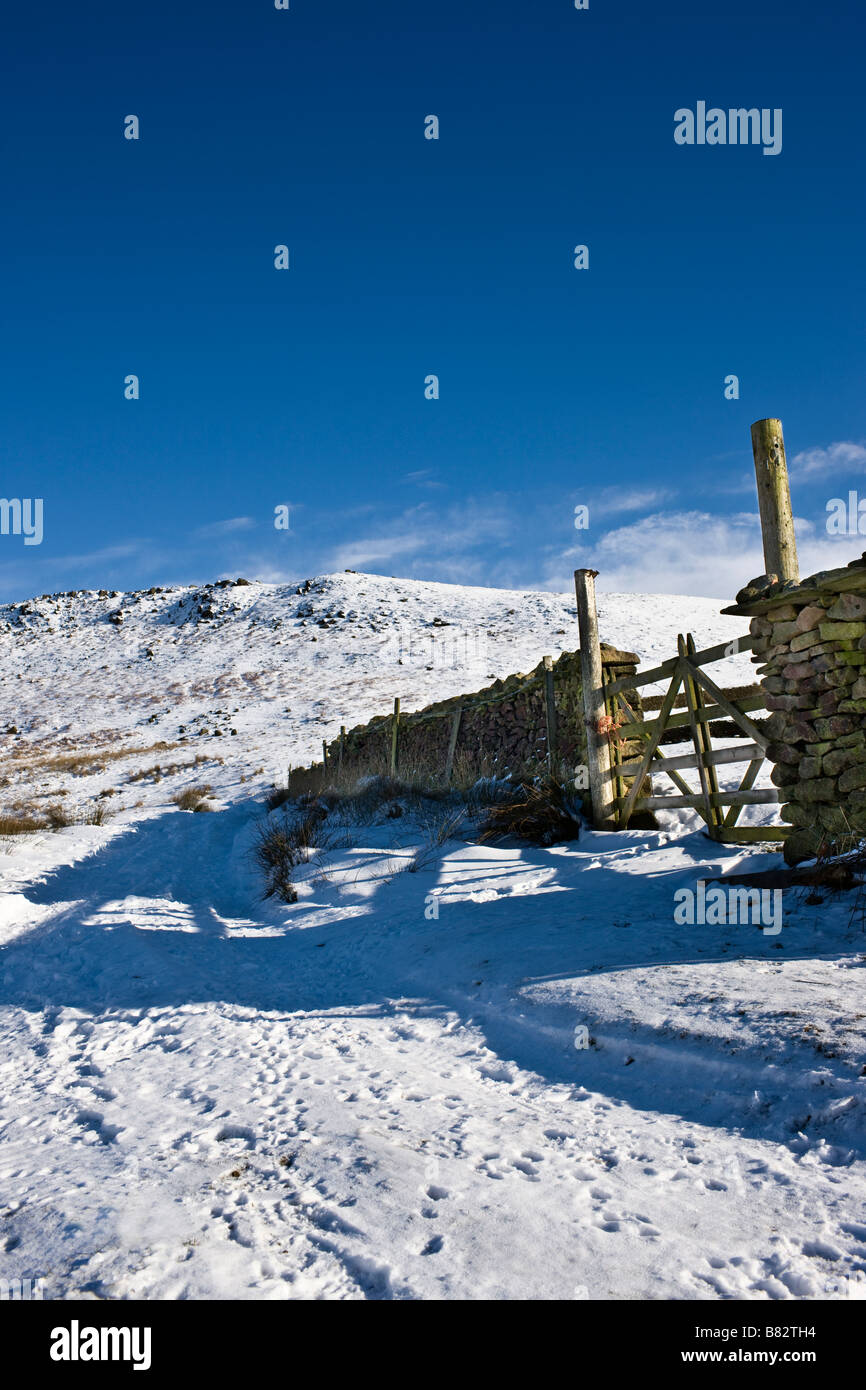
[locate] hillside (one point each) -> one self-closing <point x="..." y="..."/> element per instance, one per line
<point x="259" y="674"/>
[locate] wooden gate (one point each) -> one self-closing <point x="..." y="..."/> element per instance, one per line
<point x="706" y="711"/>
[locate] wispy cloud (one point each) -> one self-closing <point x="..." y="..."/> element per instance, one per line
<point x="106" y="556"/>
<point x="226" y="528"/>
<point x="690" y="552"/>
<point x="732" y="486"/>
<point x="34" y="571"/>
<point x="423" y="477"/>
<point x="374" y="550"/>
<point x="47" y="565"/>
<point x="440" y="537"/>
<point x="844" y="456"/>
<point x="614" y="501"/>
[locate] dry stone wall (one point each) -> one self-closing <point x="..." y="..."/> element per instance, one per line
<point x="502" y="730"/>
<point x="810" y="642"/>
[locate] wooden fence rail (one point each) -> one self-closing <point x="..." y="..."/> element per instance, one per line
<point x="707" y="710"/>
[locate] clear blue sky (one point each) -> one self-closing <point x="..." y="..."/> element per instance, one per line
<point x="411" y="257"/>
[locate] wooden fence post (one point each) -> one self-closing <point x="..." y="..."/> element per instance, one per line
<point x="597" y="746"/>
<point x="395" y="737"/>
<point x="701" y="740"/>
<point x="774" y="499"/>
<point x="611" y="709"/>
<point x="324" y="755"/>
<point x="342" y="746"/>
<point x="452" y="743"/>
<point x="550" y="713"/>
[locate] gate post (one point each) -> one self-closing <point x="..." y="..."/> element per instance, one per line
<point x="452" y="744"/>
<point x="550" y="714"/>
<point x="395" y="737"/>
<point x="597" y="746"/>
<point x="774" y="499"/>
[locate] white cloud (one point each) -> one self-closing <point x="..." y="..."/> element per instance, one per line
<point x="844" y="455"/>
<point x="375" y="550"/>
<point x="692" y="552"/>
<point x="443" y="540"/>
<point x="681" y="552"/>
<point x="422" y="477"/>
<point x="226" y="528"/>
<point x="612" y="501"/>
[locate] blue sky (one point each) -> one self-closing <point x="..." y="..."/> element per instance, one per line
<point x="412" y="257"/>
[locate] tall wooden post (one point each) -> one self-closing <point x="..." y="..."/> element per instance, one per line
<point x="452" y="744"/>
<point x="550" y="713"/>
<point x="597" y="746"/>
<point x="395" y="737"/>
<point x="342" y="745"/>
<point x="774" y="499"/>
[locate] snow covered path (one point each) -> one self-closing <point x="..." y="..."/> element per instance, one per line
<point x="208" y="1097"/>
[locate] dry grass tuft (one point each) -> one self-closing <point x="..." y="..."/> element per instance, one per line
<point x="54" y="818"/>
<point x="543" y="813"/>
<point x="161" y="770"/>
<point x="20" y="825"/>
<point x="193" y="799"/>
<point x="84" y="764"/>
<point x="280" y="847"/>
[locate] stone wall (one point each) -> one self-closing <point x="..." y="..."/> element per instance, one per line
<point x="810" y="643"/>
<point x="503" y="728"/>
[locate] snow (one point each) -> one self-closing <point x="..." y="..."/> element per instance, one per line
<point x="209" y="1096"/>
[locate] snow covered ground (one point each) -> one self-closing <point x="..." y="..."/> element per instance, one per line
<point x="375" y="1092"/>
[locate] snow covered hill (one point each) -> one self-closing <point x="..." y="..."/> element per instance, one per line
<point x="257" y="675"/>
<point x="376" y="1092"/>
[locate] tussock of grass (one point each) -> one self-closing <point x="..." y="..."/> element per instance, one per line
<point x="840" y="866"/>
<point x="280" y="847"/>
<point x="160" y="770"/>
<point x="193" y="798"/>
<point x="488" y="791"/>
<point x="368" y="799"/>
<point x="388" y="797"/>
<point x="54" y="818"/>
<point x="541" y="812"/>
<point x="439" y="827"/>
<point x="86" y="763"/>
<point x="20" y="825"/>
<point x="278" y="797"/>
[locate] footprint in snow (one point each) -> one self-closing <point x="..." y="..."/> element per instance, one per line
<point x="820" y="1249"/>
<point x="92" y="1121"/>
<point x="647" y="1229"/>
<point x="528" y="1169"/>
<point x="497" y="1072"/>
<point x="235" y="1132"/>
